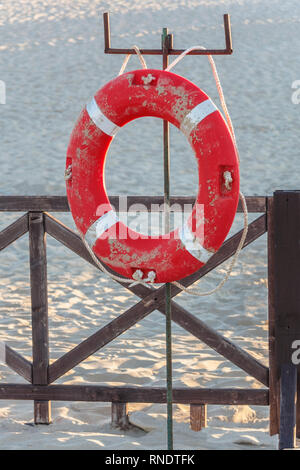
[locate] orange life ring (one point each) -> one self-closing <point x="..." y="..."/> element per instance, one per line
<point x="173" y="98"/>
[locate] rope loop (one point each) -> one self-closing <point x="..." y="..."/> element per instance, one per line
<point x="141" y="58"/>
<point x="227" y="177"/>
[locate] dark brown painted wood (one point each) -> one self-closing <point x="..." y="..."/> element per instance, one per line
<point x="155" y="203"/>
<point x="286" y="274"/>
<point x="298" y="405"/>
<point x="119" y="416"/>
<point x="198" y="417"/>
<point x="134" y="394"/>
<point x="220" y="344"/>
<point x="273" y="374"/>
<point x="34" y="203"/>
<point x="18" y="363"/>
<point x="13" y="231"/>
<point x="99" y="339"/>
<point x="39" y="307"/>
<point x="151" y="299"/>
<point x="155" y="300"/>
<point x="288" y="396"/>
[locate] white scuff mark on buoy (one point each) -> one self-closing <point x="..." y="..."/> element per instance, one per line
<point x="138" y="277"/>
<point x="227" y="179"/>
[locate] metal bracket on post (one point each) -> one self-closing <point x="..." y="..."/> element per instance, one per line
<point x="110" y="50"/>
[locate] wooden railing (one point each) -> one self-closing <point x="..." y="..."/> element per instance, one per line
<point x="280" y="217"/>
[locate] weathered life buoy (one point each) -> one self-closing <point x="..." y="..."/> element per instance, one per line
<point x="173" y="98"/>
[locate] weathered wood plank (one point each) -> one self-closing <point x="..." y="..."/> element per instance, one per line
<point x="98" y="340"/>
<point x="39" y="308"/>
<point x="286" y="273"/>
<point x="198" y="417"/>
<point x="288" y="396"/>
<point x="182" y="317"/>
<point x="34" y="204"/>
<point x="13" y="231"/>
<point x="155" y="300"/>
<point x="73" y="241"/>
<point x="220" y="344"/>
<point x="286" y="276"/>
<point x="60" y="203"/>
<point x="273" y="373"/>
<point x="18" y="363"/>
<point x="298" y="405"/>
<point x="133" y="394"/>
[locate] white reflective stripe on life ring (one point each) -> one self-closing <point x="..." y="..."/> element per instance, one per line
<point x="192" y="245"/>
<point x="100" y="226"/>
<point x="100" y="120"/>
<point x="197" y="115"/>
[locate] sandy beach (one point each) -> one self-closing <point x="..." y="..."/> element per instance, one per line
<point x="52" y="61"/>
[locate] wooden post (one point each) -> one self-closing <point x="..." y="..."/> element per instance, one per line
<point x="298" y="406"/>
<point x="167" y="40"/>
<point x="198" y="414"/>
<point x="119" y="416"/>
<point x="39" y="307"/>
<point x="273" y="372"/>
<point x="288" y="396"/>
<point x="286" y="296"/>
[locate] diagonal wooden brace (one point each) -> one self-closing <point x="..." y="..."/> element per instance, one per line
<point x="155" y="300"/>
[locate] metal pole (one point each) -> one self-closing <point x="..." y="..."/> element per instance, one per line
<point x="166" y="44"/>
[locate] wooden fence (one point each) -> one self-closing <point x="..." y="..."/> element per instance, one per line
<point x="280" y="217"/>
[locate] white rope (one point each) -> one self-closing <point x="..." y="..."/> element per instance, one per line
<point x="68" y="173"/>
<point x="227" y="176"/>
<point x="193" y="291"/>
<point x="138" y="274"/>
<point x="138" y="52"/>
<point x="218" y="84"/>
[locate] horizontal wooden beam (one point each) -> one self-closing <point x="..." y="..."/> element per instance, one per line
<point x="99" y="393"/>
<point x="13" y="231"/>
<point x="60" y="203"/>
